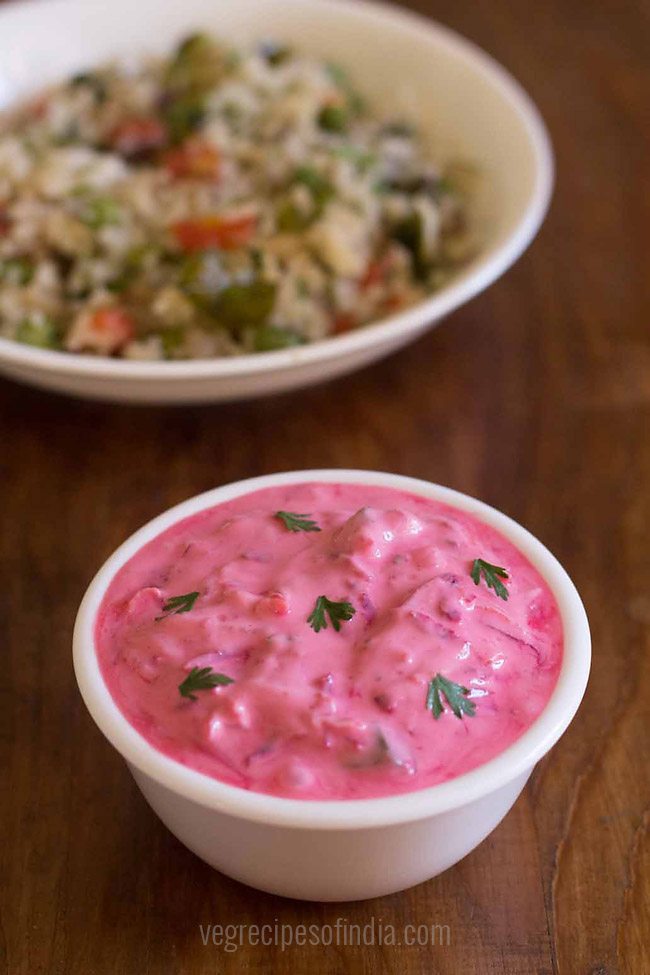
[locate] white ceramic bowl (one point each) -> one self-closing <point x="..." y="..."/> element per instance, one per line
<point x="343" y="849"/>
<point x="468" y="105"/>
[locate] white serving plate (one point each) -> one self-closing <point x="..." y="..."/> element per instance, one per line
<point x="467" y="105"/>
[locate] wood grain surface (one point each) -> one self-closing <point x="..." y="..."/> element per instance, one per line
<point x="534" y="397"/>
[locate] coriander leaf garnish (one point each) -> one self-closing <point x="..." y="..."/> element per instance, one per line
<point x="178" y="604"/>
<point x="455" y="694"/>
<point x="491" y="575"/>
<point x="337" y="612"/>
<point x="297" y="522"/>
<point x="202" y="679"/>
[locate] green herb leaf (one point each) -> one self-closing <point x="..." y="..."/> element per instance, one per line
<point x="17" y="270"/>
<point x="363" y="159"/>
<point x="39" y="331"/>
<point x="68" y="136"/>
<point x="88" y="79"/>
<point x="141" y="255"/>
<point x="276" y="54"/>
<point x="202" y="679"/>
<point x="337" y="612"/>
<point x="202" y="274"/>
<point x="172" y="339"/>
<point x="137" y="260"/>
<point x="318" y="185"/>
<point x="424" y="183"/>
<point x="270" y="338"/>
<point x="491" y="574"/>
<point x="341" y="79"/>
<point x="338" y="74"/>
<point x="455" y="694"/>
<point x="178" y="604"/>
<point x="101" y="212"/>
<point x="240" y="305"/>
<point x="290" y="219"/>
<point x="297" y="522"/>
<point x="334" y="118"/>
<point x="410" y="233"/>
<point x="183" y="115"/>
<point x="198" y="65"/>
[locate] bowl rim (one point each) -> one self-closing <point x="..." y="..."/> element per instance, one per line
<point x="475" y="277"/>
<point x="515" y="761"/>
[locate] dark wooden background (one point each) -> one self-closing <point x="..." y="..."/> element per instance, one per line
<point x="535" y="397"/>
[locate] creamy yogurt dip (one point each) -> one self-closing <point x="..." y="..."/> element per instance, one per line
<point x="330" y="641"/>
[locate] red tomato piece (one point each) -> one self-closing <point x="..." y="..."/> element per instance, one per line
<point x="343" y="322"/>
<point x="195" y="157"/>
<point x="39" y="107"/>
<point x="393" y="303"/>
<point x="135" y="136"/>
<point x="111" y="328"/>
<point x="376" y="272"/>
<point x="225" y="233"/>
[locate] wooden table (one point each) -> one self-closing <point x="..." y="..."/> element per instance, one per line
<point x="534" y="397"/>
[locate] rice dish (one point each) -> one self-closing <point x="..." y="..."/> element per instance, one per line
<point x="216" y="202"/>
